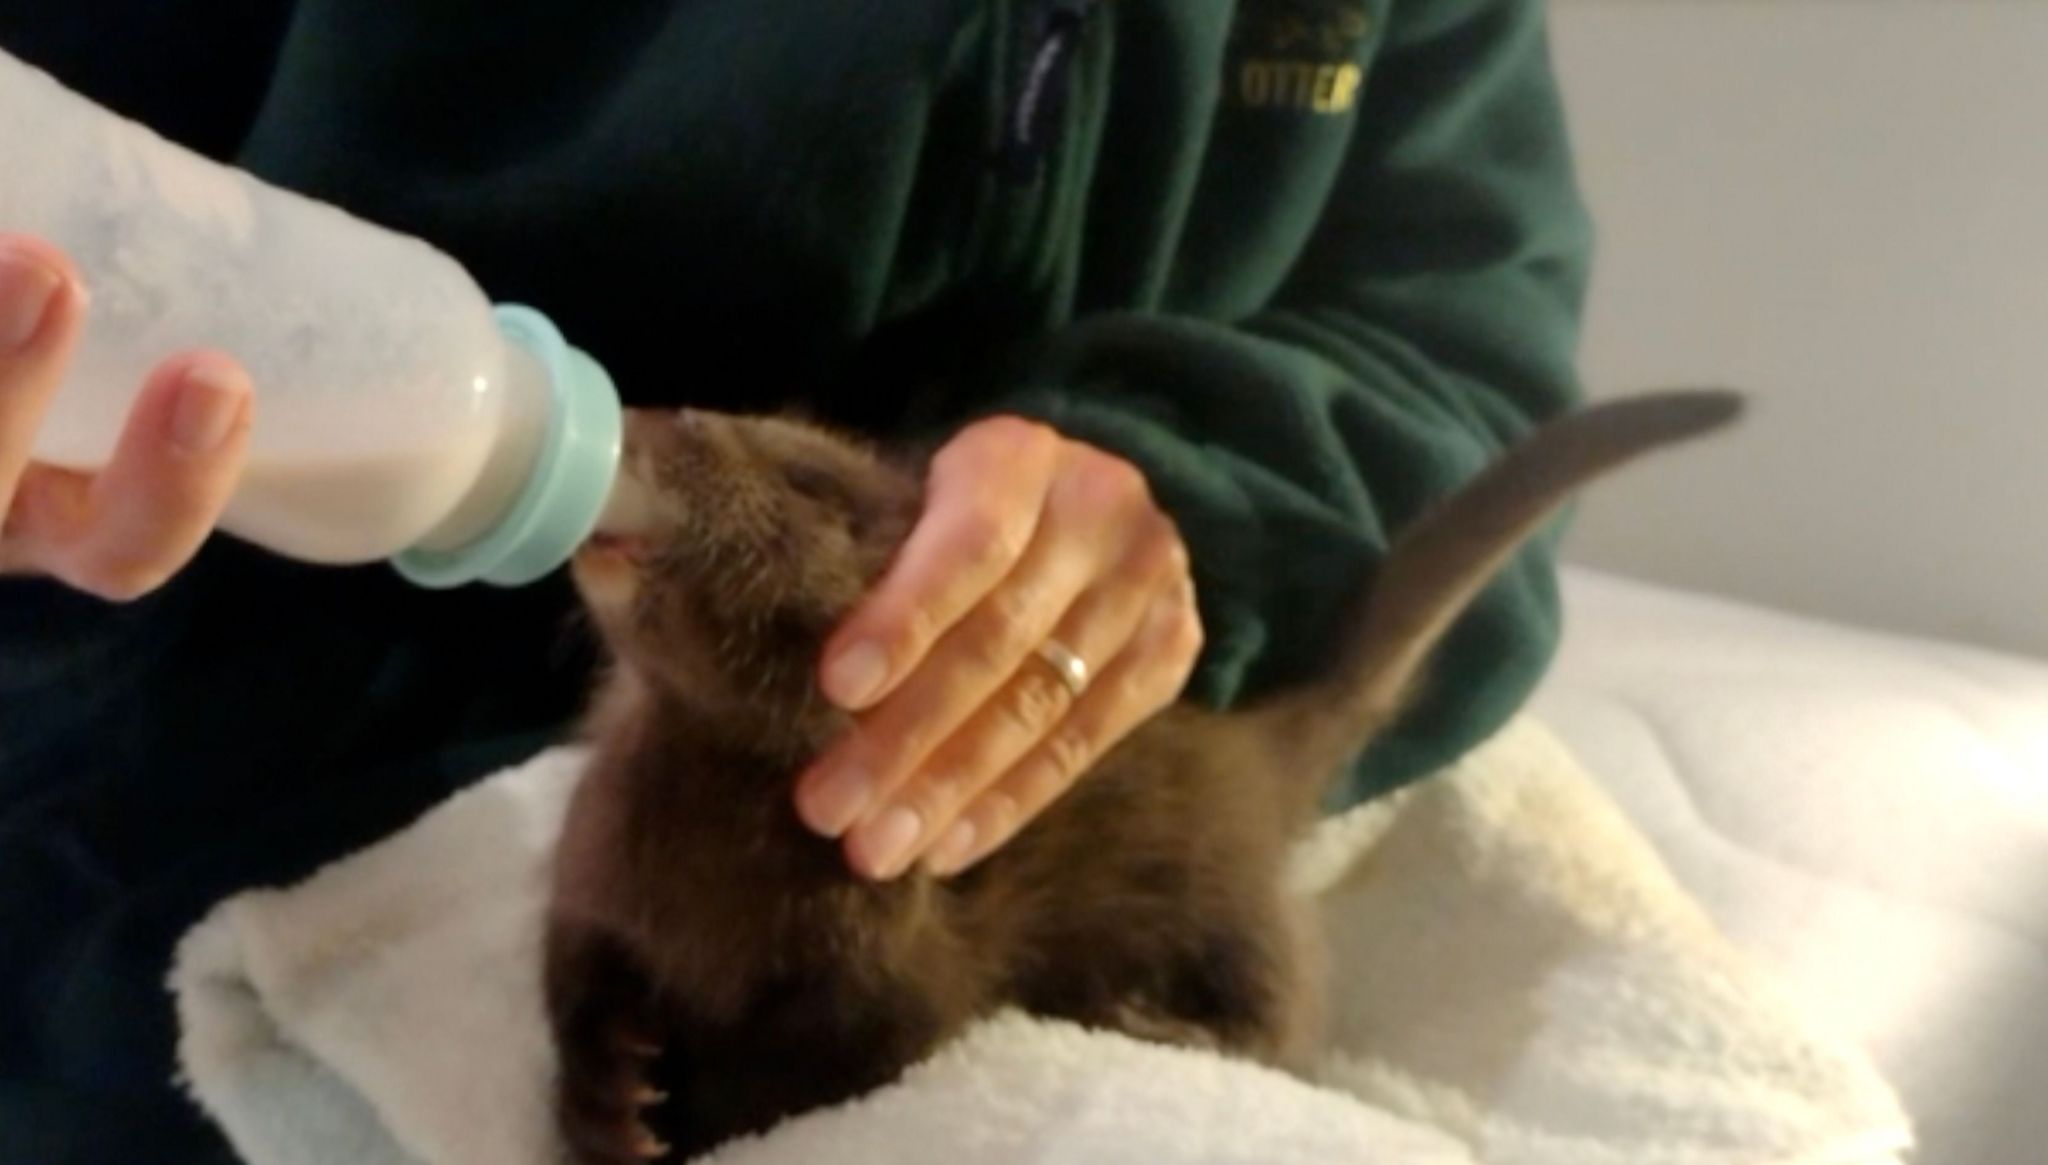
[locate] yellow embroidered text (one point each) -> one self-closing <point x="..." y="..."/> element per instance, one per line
<point x="1308" y="86"/>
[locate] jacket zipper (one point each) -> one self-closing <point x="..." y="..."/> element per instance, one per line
<point x="1052" y="28"/>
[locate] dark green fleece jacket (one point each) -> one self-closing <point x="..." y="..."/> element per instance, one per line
<point x="1308" y="263"/>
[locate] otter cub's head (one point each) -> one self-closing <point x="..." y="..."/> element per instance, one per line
<point x="733" y="547"/>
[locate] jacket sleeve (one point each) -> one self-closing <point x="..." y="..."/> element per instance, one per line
<point x="1433" y="319"/>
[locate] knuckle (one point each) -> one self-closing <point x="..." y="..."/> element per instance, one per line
<point x="1022" y="434"/>
<point x="1159" y="554"/>
<point x="1035" y="703"/>
<point x="915" y="736"/>
<point x="1128" y="481"/>
<point x="1153" y="668"/>
<point x="931" y="800"/>
<point x="1187" y="637"/>
<point x="1110" y="483"/>
<point x="906" y="727"/>
<point x="1183" y="652"/>
<point x="1000" y="436"/>
<point x="1166" y="534"/>
<point x="1003" y="632"/>
<point x="918" y="738"/>
<point x="1160" y="697"/>
<point x="997" y="816"/>
<point x="1068" y="755"/>
<point x="944" y="788"/>
<point x="985" y="543"/>
<point x="1002" y="812"/>
<point x="1172" y="682"/>
<point x="1009" y="612"/>
<point x="957" y="454"/>
<point x="1170" y="660"/>
<point x="919" y="625"/>
<point x="1038" y="785"/>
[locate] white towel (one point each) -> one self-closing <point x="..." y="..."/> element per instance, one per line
<point x="1518" y="982"/>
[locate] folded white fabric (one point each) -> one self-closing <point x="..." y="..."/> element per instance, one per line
<point x="1864" y="815"/>
<point x="1518" y="983"/>
<point x="387" y="1010"/>
<point x="1018" y="1090"/>
<point x="1517" y="969"/>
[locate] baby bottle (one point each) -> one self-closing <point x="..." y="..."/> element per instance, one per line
<point x="399" y="414"/>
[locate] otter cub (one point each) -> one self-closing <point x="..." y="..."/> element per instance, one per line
<point x="713" y="967"/>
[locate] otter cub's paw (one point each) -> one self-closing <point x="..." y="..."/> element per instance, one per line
<point x="611" y="1089"/>
<point x="610" y="1105"/>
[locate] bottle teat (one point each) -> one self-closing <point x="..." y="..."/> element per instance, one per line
<point x="571" y="478"/>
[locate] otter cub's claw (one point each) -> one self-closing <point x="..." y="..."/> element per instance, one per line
<point x="610" y="1041"/>
<point x="630" y="1038"/>
<point x="614" y="1127"/>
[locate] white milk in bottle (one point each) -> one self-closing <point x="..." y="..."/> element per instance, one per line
<point x="398" y="413"/>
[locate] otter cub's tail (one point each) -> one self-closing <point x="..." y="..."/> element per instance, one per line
<point x="1442" y="562"/>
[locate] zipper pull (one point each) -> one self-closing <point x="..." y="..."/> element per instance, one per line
<point x="1052" y="28"/>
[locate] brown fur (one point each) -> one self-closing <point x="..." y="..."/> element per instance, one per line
<point x="712" y="967"/>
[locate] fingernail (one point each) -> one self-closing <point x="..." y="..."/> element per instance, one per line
<point x="209" y="402"/>
<point x="837" y="800"/>
<point x="28" y="287"/>
<point x="855" y="675"/>
<point x="953" y="850"/>
<point x="886" y="840"/>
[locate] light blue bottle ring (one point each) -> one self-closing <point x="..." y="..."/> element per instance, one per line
<point x="571" y="480"/>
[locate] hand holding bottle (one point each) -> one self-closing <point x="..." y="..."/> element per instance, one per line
<point x="405" y="417"/>
<point x="123" y="531"/>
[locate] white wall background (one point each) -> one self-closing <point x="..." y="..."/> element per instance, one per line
<point x="1841" y="206"/>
